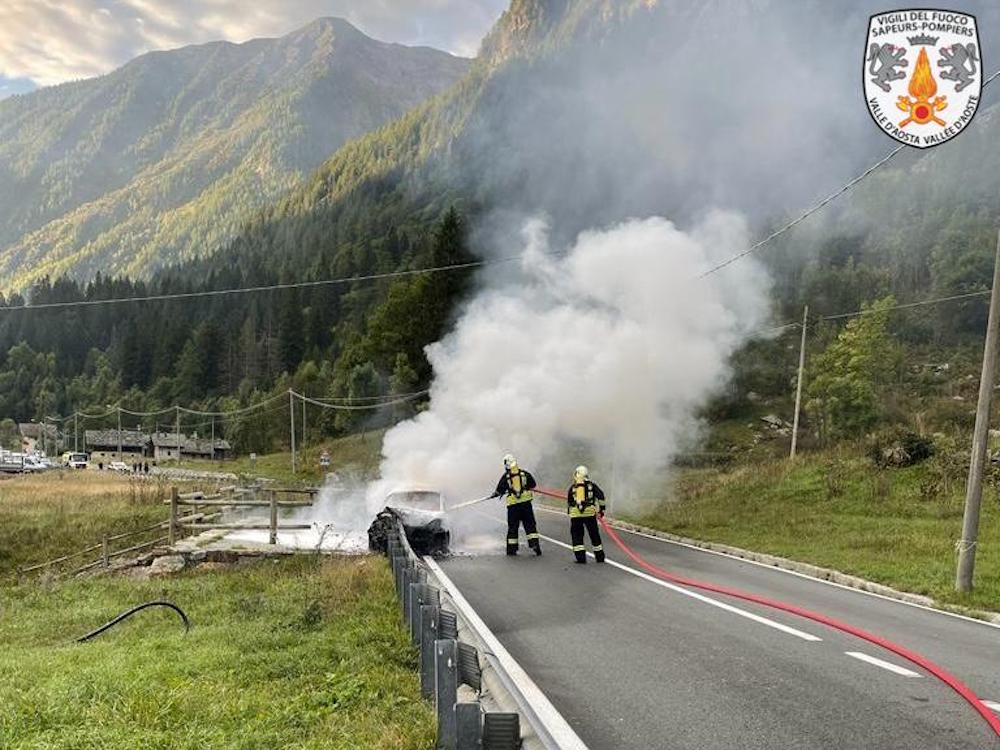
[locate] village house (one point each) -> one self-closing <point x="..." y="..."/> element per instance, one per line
<point x="103" y="445"/>
<point x="165" y="447"/>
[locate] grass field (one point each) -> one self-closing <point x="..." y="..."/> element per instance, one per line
<point x="835" y="509"/>
<point x="43" y="516"/>
<point x="354" y="454"/>
<point x="305" y="653"/>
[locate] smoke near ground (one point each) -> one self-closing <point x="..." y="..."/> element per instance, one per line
<point x="609" y="345"/>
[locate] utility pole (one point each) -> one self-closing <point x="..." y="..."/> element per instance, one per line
<point x="291" y="417"/>
<point x="980" y="439"/>
<point x="119" y="433"/>
<point x="302" y="447"/>
<point x="177" y="431"/>
<point x="212" y="444"/>
<point x="798" y="384"/>
<point x="76" y="432"/>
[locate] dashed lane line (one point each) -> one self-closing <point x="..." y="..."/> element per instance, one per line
<point x="887" y="665"/>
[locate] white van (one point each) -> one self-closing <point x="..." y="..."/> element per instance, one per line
<point x="77" y="460"/>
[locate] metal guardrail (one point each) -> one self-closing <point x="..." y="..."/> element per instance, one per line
<point x="446" y="663"/>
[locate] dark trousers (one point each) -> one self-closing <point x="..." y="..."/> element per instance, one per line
<point x="576" y="528"/>
<point x="517" y="514"/>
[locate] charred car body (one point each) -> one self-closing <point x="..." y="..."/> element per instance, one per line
<point x="422" y="513"/>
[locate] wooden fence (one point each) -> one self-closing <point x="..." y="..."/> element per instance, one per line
<point x="205" y="509"/>
<point x="236" y="497"/>
<point x="101" y="554"/>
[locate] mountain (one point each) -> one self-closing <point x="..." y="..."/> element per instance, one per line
<point x="166" y="158"/>
<point x="583" y="113"/>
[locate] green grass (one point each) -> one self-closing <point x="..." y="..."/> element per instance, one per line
<point x="45" y="516"/>
<point x="302" y="653"/>
<point x="897" y="527"/>
<point x="353" y="454"/>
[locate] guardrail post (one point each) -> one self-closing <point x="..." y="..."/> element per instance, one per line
<point x="172" y="530"/>
<point x="428" y="634"/>
<point x="446" y="693"/>
<point x="104" y="550"/>
<point x="423" y="594"/>
<point x="469" y="726"/>
<point x="274" y="517"/>
<point x="407" y="585"/>
<point x="403" y="566"/>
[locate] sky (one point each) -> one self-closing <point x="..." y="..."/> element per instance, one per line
<point x="45" y="42"/>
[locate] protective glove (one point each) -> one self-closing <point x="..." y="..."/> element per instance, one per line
<point x="600" y="513"/>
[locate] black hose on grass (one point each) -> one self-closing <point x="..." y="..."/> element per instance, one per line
<point x="111" y="623"/>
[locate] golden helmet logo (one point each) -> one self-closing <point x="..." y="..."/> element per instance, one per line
<point x="923" y="74"/>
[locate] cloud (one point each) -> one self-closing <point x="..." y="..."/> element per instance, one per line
<point x="50" y="41"/>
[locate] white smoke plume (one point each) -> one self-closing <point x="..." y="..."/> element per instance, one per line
<point x="610" y="346"/>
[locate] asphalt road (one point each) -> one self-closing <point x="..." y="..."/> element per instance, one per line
<point x="632" y="663"/>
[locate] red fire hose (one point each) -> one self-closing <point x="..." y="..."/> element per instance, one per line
<point x="927" y="665"/>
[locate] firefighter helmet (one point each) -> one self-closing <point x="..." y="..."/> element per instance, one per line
<point x="509" y="461"/>
<point x="581" y="473"/>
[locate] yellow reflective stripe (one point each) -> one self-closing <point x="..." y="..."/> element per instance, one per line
<point x="599" y="548"/>
<point x="579" y="548"/>
<point x="532" y="536"/>
<point x="526" y="497"/>
<point x="511" y="541"/>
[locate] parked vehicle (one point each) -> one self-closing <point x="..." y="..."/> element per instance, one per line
<point x="33" y="464"/>
<point x="77" y="461"/>
<point x="120" y="466"/>
<point x="11" y="463"/>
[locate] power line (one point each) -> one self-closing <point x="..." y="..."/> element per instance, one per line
<point x="374" y="402"/>
<point x="816" y="207"/>
<point x="347" y="407"/>
<point x="263" y="288"/>
<point x="244" y="410"/>
<point x="369" y="399"/>
<point x="871" y="311"/>
<point x="906" y="305"/>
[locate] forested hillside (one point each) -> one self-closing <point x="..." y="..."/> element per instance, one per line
<point x="574" y="111"/>
<point x="168" y="157"/>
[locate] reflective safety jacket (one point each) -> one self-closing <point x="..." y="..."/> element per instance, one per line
<point x="584" y="499"/>
<point x="517" y="486"/>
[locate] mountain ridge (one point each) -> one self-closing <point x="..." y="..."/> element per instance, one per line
<point x="168" y="156"/>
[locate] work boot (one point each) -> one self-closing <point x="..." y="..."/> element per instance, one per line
<point x="538" y="550"/>
<point x="581" y="562"/>
<point x="581" y="558"/>
<point x="511" y="552"/>
<point x="535" y="546"/>
<point x="599" y="556"/>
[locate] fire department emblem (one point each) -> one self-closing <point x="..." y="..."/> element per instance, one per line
<point x="923" y="74"/>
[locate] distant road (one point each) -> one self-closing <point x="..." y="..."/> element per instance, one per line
<point x="633" y="663"/>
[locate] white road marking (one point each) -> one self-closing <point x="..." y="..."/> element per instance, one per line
<point x="560" y="732"/>
<point x="992" y="706"/>
<point x="786" y="571"/>
<point x="701" y="597"/>
<point x="902" y="671"/>
<point x="686" y="592"/>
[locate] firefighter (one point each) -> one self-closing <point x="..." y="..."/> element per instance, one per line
<point x="517" y="484"/>
<point x="584" y="503"/>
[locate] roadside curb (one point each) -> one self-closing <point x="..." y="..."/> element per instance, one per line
<point x="806" y="569"/>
